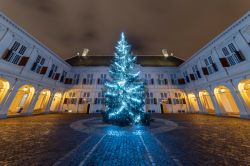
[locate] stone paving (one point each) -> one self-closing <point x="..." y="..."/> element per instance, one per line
<point x="78" y="139"/>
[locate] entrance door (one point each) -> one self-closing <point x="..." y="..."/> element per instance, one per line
<point x="162" y="111"/>
<point x="88" y="108"/>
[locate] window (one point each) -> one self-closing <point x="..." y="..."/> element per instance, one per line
<point x="16" y="52"/>
<point x="232" y="55"/>
<point x="179" y="99"/>
<point x="76" y="79"/>
<point x="162" y="80"/>
<point x="72" y="98"/>
<point x="211" y="65"/>
<point x="64" y="74"/>
<point x="38" y="64"/>
<point x="148" y="80"/>
<point x="88" y="80"/>
<point x="100" y="98"/>
<point x="102" y="79"/>
<point x="53" y="71"/>
<point x="196" y="72"/>
<point x="173" y="79"/>
<point x="150" y="98"/>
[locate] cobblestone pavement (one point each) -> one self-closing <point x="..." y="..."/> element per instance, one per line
<point x="208" y="140"/>
<point x="77" y="139"/>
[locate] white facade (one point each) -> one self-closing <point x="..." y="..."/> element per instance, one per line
<point x="214" y="80"/>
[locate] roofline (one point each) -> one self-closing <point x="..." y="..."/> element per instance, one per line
<point x="6" y="18"/>
<point x="219" y="36"/>
<point x="135" y="55"/>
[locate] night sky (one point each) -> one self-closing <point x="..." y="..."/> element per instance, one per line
<point x="68" y="26"/>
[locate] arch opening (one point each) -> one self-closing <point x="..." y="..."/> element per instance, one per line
<point x="4" y="87"/>
<point x="42" y="101"/>
<point x="244" y="89"/>
<point x="21" y="100"/>
<point x="226" y="101"/>
<point x="56" y="102"/>
<point x="193" y="102"/>
<point x="206" y="102"/>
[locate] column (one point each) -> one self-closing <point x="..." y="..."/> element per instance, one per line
<point x="60" y="107"/>
<point x="217" y="108"/>
<point x="5" y="98"/>
<point x="47" y="110"/>
<point x="199" y="104"/>
<point x="238" y="100"/>
<point x="33" y="102"/>
<point x="9" y="98"/>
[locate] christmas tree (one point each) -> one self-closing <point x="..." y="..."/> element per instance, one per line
<point x="125" y="92"/>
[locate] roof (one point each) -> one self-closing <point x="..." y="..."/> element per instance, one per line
<point x="145" y="60"/>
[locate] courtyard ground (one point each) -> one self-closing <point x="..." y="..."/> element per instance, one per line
<point x="79" y="139"/>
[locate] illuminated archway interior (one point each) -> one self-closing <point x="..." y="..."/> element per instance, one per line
<point x="225" y="100"/>
<point x="193" y="102"/>
<point x="22" y="100"/>
<point x="56" y="102"/>
<point x="206" y="102"/>
<point x="244" y="89"/>
<point x="4" y="87"/>
<point x="42" y="101"/>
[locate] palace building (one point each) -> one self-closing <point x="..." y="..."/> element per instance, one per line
<point x="215" y="80"/>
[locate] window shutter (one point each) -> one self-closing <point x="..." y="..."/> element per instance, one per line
<point x="224" y="62"/>
<point x="240" y="55"/>
<point x="6" y="54"/>
<point x="192" y="77"/>
<point x="215" y="66"/>
<point x="70" y="80"/>
<point x="205" y="71"/>
<point x="56" y="77"/>
<point x="23" y="61"/>
<point x="43" y="70"/>
<point x="66" y="81"/>
<point x="181" y="81"/>
<point x="34" y="66"/>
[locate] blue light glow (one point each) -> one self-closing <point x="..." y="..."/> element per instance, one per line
<point x="124" y="92"/>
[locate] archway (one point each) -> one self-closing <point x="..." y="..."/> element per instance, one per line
<point x="22" y="100"/>
<point x="244" y="89"/>
<point x="225" y="100"/>
<point x="193" y="102"/>
<point x="206" y="102"/>
<point x="56" y="102"/>
<point x="42" y="101"/>
<point x="4" y="87"/>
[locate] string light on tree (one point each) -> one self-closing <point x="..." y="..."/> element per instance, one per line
<point x="124" y="92"/>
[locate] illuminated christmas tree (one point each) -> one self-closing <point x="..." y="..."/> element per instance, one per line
<point x="125" y="92"/>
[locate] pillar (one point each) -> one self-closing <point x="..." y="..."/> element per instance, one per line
<point x="217" y="108"/>
<point x="47" y="109"/>
<point x="238" y="100"/>
<point x="201" y="110"/>
<point x="33" y="101"/>
<point x="9" y="98"/>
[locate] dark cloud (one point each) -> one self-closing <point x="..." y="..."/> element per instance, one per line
<point x="182" y="26"/>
